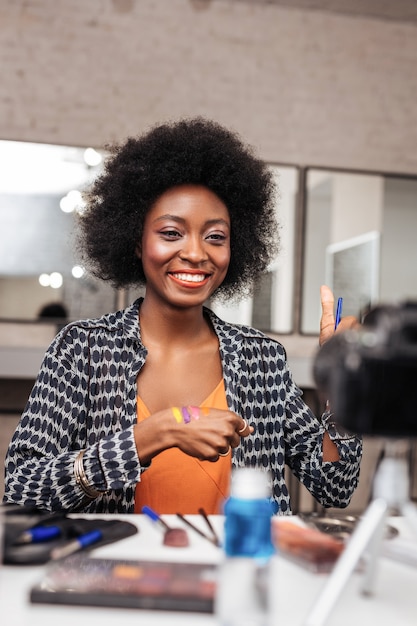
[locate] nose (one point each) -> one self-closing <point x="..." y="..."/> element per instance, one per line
<point x="193" y="250"/>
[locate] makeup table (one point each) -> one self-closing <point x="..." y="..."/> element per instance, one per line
<point x="394" y="601"/>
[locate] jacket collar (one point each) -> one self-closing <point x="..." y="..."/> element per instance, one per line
<point x="230" y="335"/>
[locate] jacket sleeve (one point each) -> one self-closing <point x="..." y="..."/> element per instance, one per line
<point x="57" y="423"/>
<point x="331" y="483"/>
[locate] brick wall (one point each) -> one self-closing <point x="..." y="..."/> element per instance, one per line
<point x="304" y="87"/>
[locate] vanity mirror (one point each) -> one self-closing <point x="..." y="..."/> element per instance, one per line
<point x="359" y="232"/>
<point x="39" y="198"/>
<point x="271" y="308"/>
<point x="360" y="238"/>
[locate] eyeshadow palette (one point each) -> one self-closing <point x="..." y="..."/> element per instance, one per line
<point x="123" y="583"/>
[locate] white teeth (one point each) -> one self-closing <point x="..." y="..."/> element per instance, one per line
<point x="192" y="278"/>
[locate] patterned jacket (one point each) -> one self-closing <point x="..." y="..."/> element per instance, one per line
<point x="85" y="398"/>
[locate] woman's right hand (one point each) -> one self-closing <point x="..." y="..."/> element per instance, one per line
<point x="205" y="438"/>
<point x="327" y="329"/>
<point x="212" y="433"/>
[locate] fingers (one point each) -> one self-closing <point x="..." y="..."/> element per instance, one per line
<point x="229" y="420"/>
<point x="207" y="433"/>
<point x="327" y="315"/>
<point x="327" y="298"/>
<point x="347" y="323"/>
<point x="327" y="321"/>
<point x="327" y="304"/>
<point x="245" y="429"/>
<point x="242" y="429"/>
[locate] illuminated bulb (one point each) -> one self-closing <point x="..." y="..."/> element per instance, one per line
<point x="56" y="280"/>
<point x="77" y="271"/>
<point x="72" y="201"/>
<point x="66" y="205"/>
<point x="92" y="157"/>
<point x="44" y="280"/>
<point x="75" y="196"/>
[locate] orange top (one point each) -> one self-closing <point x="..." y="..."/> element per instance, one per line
<point x="177" y="482"/>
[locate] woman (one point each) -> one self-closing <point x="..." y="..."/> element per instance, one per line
<point x="155" y="404"/>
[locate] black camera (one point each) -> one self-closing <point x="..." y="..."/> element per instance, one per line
<point x="369" y="375"/>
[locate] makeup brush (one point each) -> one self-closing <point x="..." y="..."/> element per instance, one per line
<point x="174" y="537"/>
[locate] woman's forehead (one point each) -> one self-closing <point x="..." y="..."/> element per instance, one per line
<point x="187" y="201"/>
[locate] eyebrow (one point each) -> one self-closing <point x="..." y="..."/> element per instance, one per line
<point x="176" y="218"/>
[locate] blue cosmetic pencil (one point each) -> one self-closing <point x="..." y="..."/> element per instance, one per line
<point x="39" y="534"/>
<point x="338" y="313"/>
<point x="83" y="541"/>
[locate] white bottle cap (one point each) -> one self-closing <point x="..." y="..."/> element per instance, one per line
<point x="250" y="483"/>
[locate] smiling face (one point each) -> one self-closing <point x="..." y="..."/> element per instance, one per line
<point x="185" y="249"/>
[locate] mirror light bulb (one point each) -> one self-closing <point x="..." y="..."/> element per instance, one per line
<point x="92" y="157"/>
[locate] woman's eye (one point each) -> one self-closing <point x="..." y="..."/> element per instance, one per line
<point x="216" y="237"/>
<point x="170" y="234"/>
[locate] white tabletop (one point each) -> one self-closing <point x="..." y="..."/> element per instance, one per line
<point x="394" y="601"/>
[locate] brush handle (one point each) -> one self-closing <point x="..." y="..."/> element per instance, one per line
<point x="154" y="516"/>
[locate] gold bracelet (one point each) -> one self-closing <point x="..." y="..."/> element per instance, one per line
<point x="81" y="478"/>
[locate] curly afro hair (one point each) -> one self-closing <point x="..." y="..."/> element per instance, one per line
<point x="190" y="151"/>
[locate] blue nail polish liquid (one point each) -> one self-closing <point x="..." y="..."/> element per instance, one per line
<point x="243" y="574"/>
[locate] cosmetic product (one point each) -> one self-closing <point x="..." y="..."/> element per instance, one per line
<point x="39" y="534"/>
<point x="174" y="537"/>
<point x="209" y="524"/>
<point x="248" y="549"/>
<point x="81" y="542"/>
<point x="338" y="313"/>
<point x="198" y="531"/>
